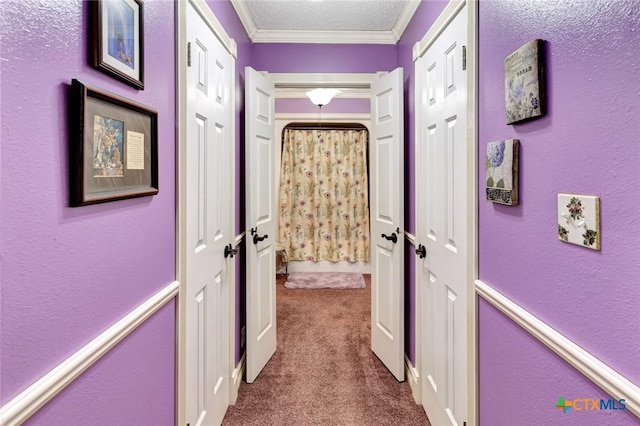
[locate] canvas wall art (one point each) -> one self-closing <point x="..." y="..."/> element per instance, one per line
<point x="502" y="171"/>
<point x="524" y="83"/>
<point x="579" y="220"/>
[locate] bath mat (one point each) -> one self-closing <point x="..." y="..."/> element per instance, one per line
<point x="314" y="280"/>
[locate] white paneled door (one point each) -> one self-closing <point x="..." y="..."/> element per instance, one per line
<point x="442" y="224"/>
<point x="208" y="223"/>
<point x="386" y="149"/>
<point x="261" y="157"/>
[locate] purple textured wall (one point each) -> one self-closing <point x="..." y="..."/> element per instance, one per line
<point x="226" y="14"/>
<point x="425" y="16"/>
<point x="521" y="380"/>
<point x="586" y="144"/>
<point x="352" y="106"/>
<point x="69" y="273"/>
<point x="353" y="58"/>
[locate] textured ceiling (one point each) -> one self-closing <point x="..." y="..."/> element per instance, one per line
<point x="325" y="15"/>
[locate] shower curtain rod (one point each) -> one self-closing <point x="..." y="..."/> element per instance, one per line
<point x="325" y="126"/>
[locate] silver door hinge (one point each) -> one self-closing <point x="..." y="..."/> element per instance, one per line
<point x="189" y="54"/>
<point x="464" y="58"/>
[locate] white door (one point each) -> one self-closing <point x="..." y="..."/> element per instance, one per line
<point x="261" y="157"/>
<point x="442" y="223"/>
<point x="387" y="221"/>
<point x="208" y="224"/>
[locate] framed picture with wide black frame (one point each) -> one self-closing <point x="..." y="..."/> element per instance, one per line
<point x="117" y="42"/>
<point x="113" y="147"/>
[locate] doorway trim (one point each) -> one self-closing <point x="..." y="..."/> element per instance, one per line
<point x="230" y="45"/>
<point x="447" y="15"/>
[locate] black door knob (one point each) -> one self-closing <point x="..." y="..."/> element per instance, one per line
<point x="421" y="251"/>
<point x="257" y="239"/>
<point x="229" y="251"/>
<point x="393" y="237"/>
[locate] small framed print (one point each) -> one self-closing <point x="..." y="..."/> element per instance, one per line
<point x="502" y="172"/>
<point x="117" y="46"/>
<point x="113" y="147"/>
<point x="524" y="83"/>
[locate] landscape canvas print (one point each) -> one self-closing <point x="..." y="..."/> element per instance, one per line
<point x="524" y="83"/>
<point x="502" y="172"/>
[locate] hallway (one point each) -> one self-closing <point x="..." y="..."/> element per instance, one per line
<point x="324" y="371"/>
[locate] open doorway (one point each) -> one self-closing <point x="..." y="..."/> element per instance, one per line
<point x="323" y="197"/>
<point x="386" y="154"/>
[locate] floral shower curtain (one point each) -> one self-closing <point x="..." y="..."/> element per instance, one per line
<point x="324" y="200"/>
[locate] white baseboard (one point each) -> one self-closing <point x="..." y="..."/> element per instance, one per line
<point x="23" y="406"/>
<point x="323" y="266"/>
<point x="609" y="380"/>
<point x="413" y="377"/>
<point x="236" y="378"/>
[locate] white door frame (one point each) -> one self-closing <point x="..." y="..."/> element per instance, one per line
<point x="181" y="77"/>
<point x="419" y="49"/>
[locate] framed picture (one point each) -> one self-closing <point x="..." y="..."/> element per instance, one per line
<point x="113" y="147"/>
<point x="502" y="172"/>
<point x="117" y="39"/>
<point x="524" y="83"/>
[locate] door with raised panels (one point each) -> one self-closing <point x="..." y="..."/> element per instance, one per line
<point x="208" y="223"/>
<point x="387" y="221"/>
<point x="442" y="223"/>
<point x="261" y="157"/>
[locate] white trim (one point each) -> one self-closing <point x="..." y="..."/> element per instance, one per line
<point x="472" y="216"/>
<point x="181" y="210"/>
<point x="306" y="80"/>
<point x="210" y="19"/>
<point x="413" y="377"/>
<point x="409" y="9"/>
<point x="609" y="380"/>
<point x="245" y="17"/>
<point x="23" y="406"/>
<point x="236" y="378"/>
<point x="441" y="23"/>
<point x="326" y="117"/>
<point x="301" y="93"/>
<point x="411" y="238"/>
<point x="324" y="37"/>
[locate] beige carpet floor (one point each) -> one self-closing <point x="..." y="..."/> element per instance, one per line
<point x="324" y="372"/>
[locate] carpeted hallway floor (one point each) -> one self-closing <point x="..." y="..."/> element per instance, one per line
<point x="324" y="372"/>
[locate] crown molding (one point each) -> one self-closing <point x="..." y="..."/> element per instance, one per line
<point x="245" y="17"/>
<point x="325" y="37"/>
<point x="409" y="9"/>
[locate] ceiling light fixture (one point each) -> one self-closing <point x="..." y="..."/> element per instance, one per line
<point x="322" y="97"/>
